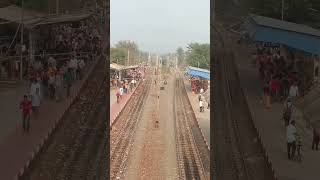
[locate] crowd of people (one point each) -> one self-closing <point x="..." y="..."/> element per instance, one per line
<point x="52" y="78"/>
<point x="126" y="86"/>
<point x="277" y="75"/>
<point x="281" y="83"/>
<point x="66" y="39"/>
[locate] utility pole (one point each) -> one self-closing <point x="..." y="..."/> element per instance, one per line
<point x="282" y="8"/>
<point x="21" y="52"/>
<point x="57" y="7"/>
<point x="139" y="57"/>
<point x="128" y="56"/>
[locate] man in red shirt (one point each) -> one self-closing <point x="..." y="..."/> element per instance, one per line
<point x="26" y="106"/>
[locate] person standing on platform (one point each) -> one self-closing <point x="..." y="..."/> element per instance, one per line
<point x="266" y="92"/>
<point x="36" y="103"/>
<point x="287" y="111"/>
<point x="68" y="80"/>
<point x="26" y="106"/>
<point x="118" y="96"/>
<point x="59" y="85"/>
<point x="201" y="106"/>
<point x="291" y="139"/>
<point x="201" y="91"/>
<point x="316" y="139"/>
<point x="294" y="92"/>
<point x="121" y="92"/>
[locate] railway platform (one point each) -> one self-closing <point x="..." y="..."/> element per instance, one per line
<point x="116" y="108"/>
<point x="17" y="149"/>
<point x="271" y="126"/>
<point x="203" y="118"/>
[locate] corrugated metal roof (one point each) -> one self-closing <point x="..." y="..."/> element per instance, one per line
<point x="64" y="18"/>
<point x="285" y="25"/>
<point x="116" y="66"/>
<point x="198" y="72"/>
<point x="13" y="14"/>
<point x="130" y="67"/>
<point x="199" y="69"/>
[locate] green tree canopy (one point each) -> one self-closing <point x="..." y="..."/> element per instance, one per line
<point x="180" y="54"/>
<point x="198" y="54"/>
<point x="298" y="11"/>
<point x="120" y="53"/>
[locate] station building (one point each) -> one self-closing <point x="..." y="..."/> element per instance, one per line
<point x="298" y="43"/>
<point x="199" y="78"/>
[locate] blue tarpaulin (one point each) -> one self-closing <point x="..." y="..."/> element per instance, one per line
<point x="296" y="36"/>
<point x="198" y="72"/>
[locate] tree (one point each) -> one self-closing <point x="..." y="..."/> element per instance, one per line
<point x="133" y="51"/>
<point x="180" y="54"/>
<point x="198" y="55"/>
<point x="297" y="11"/>
<point x="117" y="55"/>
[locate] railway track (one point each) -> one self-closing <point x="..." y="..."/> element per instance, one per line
<point x="123" y="130"/>
<point x="193" y="156"/>
<point x="239" y="154"/>
<point x="77" y="148"/>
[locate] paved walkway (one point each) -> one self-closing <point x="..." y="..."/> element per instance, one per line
<point x="202" y="117"/>
<point x="271" y="126"/>
<point x="116" y="108"/>
<point x="16" y="147"/>
<point x="113" y="97"/>
<point x="9" y="109"/>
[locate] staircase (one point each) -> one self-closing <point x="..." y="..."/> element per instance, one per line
<point x="8" y="84"/>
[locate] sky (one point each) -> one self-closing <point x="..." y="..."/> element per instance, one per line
<point x="160" y="26"/>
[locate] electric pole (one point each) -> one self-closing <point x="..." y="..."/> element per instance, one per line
<point x="57" y="7"/>
<point x="21" y="48"/>
<point x="282" y="9"/>
<point x="128" y="57"/>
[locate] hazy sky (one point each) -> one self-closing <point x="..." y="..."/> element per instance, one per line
<point x="160" y="26"/>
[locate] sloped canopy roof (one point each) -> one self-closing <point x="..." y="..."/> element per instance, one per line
<point x="116" y="66"/>
<point x="64" y="18"/>
<point x="13" y="14"/>
<point x="32" y="18"/>
<point x="198" y="72"/>
<point x="130" y="67"/>
<point x="284" y="25"/>
<point x="295" y="36"/>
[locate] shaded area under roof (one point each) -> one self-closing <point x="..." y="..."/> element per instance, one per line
<point x="198" y="72"/>
<point x="271" y="30"/>
<point x="284" y="25"/>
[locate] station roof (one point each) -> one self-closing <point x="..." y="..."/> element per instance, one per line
<point x="296" y="36"/>
<point x="13" y="14"/>
<point x="116" y="66"/>
<point x="130" y="67"/>
<point x="198" y="72"/>
<point x="120" y="67"/>
<point x="64" y="18"/>
<point x="32" y="18"/>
